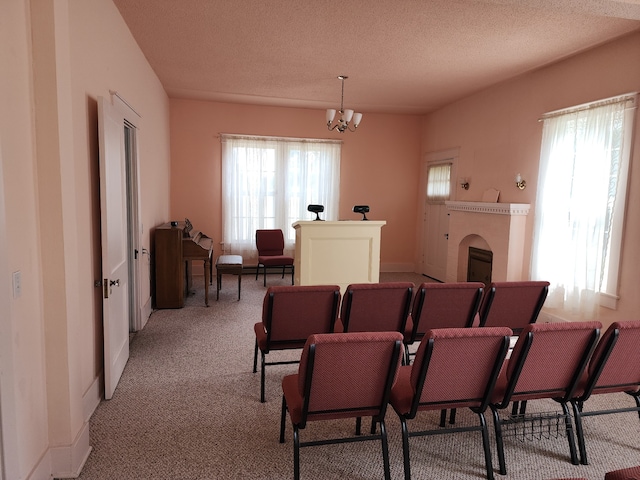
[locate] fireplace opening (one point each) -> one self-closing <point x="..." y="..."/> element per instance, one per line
<point x="479" y="265"/>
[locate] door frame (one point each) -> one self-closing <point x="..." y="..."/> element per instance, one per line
<point x="134" y="229"/>
<point x="451" y="156"/>
<point x="8" y="430"/>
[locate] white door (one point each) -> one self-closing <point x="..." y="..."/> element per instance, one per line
<point x="115" y="244"/>
<point x="438" y="171"/>
<point x="436" y="229"/>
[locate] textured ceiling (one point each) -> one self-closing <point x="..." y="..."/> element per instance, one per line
<point x="402" y="56"/>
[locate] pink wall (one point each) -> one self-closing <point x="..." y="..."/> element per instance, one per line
<point x="57" y="58"/>
<point x="498" y="133"/>
<point x="378" y="167"/>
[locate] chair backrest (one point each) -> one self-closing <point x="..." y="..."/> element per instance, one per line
<point x="376" y="307"/>
<point x="458" y="367"/>
<point x="291" y="313"/>
<point x="344" y="375"/>
<point x="270" y="242"/>
<point x="512" y="304"/>
<point x="444" y="305"/>
<point x="615" y="365"/>
<point x="548" y="360"/>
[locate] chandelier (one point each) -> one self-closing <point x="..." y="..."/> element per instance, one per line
<point x="346" y="116"/>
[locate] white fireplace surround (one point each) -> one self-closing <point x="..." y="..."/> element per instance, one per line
<point x="497" y="227"/>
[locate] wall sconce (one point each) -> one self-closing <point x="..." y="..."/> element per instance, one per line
<point x="464" y="183"/>
<point x="520" y="182"/>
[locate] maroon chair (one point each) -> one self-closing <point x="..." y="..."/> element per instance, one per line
<point x="453" y="368"/>
<point x="342" y="375"/>
<point x="270" y="245"/>
<point x="614" y="368"/>
<point x="375" y="307"/>
<point x="632" y="473"/>
<point x="547" y="362"/>
<point x="442" y="305"/>
<point x="289" y="316"/>
<point x="512" y="304"/>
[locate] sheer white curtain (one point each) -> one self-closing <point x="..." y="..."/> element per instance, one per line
<point x="439" y="183"/>
<point x="580" y="204"/>
<point x="267" y="182"/>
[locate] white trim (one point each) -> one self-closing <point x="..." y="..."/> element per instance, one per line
<point x="92" y="397"/>
<point x="489" y="207"/>
<point x="224" y="136"/>
<point x="9" y="450"/>
<point x="628" y="97"/>
<point x="67" y="461"/>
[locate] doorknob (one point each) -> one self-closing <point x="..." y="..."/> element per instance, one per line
<point x="106" y="286"/>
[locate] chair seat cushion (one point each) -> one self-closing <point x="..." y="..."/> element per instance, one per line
<point x="632" y="473"/>
<point x="408" y="330"/>
<point x="261" y="338"/>
<point x="402" y="392"/>
<point x="229" y="260"/>
<point x="276" y="260"/>
<point x="293" y="397"/>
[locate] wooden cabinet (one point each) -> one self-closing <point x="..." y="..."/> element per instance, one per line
<point x="176" y="247"/>
<point x="170" y="273"/>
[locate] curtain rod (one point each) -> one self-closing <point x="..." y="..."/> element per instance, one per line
<point x="628" y="97"/>
<point x="115" y="92"/>
<point x="222" y="136"/>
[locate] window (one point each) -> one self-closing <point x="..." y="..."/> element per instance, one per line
<point x="439" y="183"/>
<point x="580" y="208"/>
<point x="268" y="182"/>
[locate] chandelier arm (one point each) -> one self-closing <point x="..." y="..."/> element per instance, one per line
<point x="341" y="124"/>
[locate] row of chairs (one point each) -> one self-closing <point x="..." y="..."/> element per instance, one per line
<point x="354" y="375"/>
<point x="291" y="314"/>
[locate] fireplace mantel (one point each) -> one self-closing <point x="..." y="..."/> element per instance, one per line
<point x="497" y="227"/>
<point x="489" y="207"/>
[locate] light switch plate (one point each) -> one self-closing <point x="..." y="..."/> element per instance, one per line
<point x="17" y="284"/>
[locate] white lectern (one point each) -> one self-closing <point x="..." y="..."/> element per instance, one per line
<point x="337" y="253"/>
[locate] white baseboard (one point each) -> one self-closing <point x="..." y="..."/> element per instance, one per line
<point x="67" y="461"/>
<point x="92" y="398"/>
<point x="146" y="312"/>
<point x="42" y="471"/>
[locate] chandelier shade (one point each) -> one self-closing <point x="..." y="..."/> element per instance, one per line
<point x="348" y="118"/>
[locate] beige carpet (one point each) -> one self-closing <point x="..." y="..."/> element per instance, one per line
<point x="188" y="407"/>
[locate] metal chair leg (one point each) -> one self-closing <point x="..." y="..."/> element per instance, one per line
<point x="385" y="450"/>
<point x="580" y="433"/>
<point x="499" y="442"/>
<point x="486" y="446"/>
<point x="405" y="448"/>
<point x="296" y="453"/>
<point x="262" y="366"/>
<point x="283" y="416"/>
<point x="255" y="357"/>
